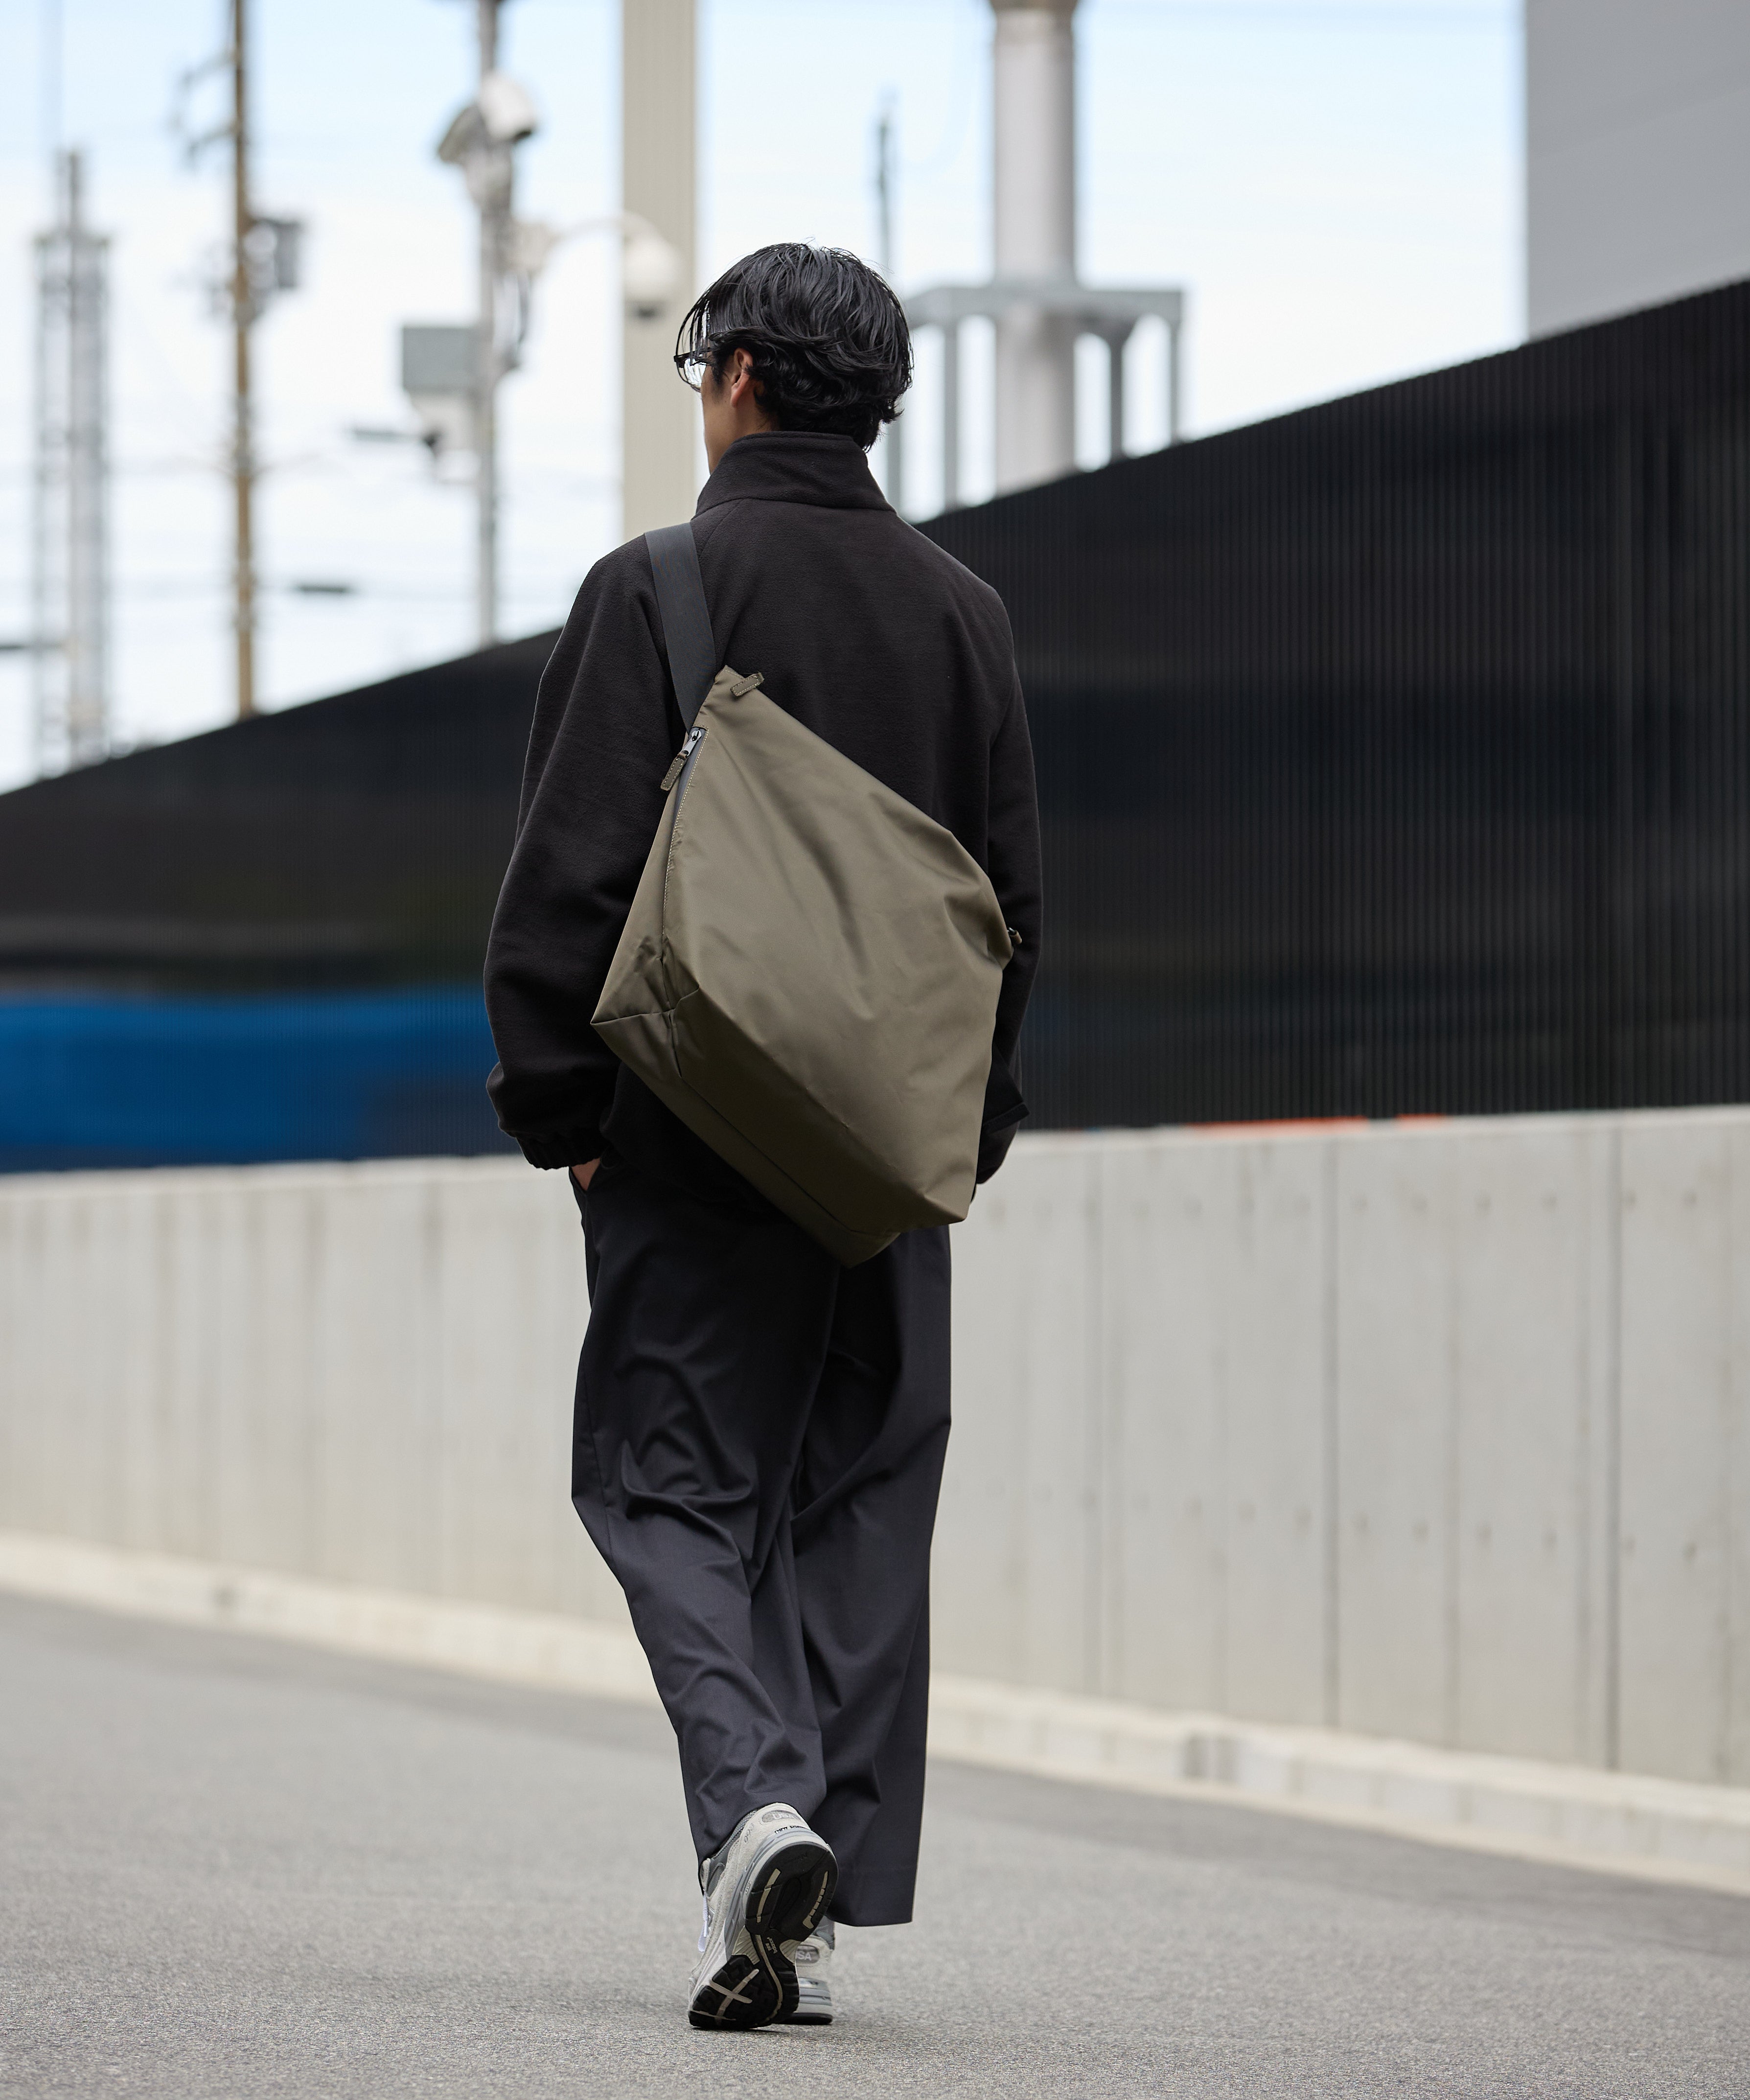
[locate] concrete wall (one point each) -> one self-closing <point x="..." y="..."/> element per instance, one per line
<point x="357" y="1372"/>
<point x="1637" y="153"/>
<point x="1438" y="1431"/>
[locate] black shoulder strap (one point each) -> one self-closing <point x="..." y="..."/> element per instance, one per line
<point x="686" y="618"/>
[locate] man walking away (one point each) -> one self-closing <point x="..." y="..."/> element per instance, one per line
<point x="759" y="1431"/>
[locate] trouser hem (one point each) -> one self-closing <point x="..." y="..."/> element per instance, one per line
<point x="866" y="1899"/>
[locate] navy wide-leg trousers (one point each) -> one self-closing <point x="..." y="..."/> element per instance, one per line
<point x="757" y="1454"/>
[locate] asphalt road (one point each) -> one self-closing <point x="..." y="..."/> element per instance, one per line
<point x="233" y="1866"/>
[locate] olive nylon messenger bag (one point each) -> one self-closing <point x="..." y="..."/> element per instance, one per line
<point x="808" y="977"/>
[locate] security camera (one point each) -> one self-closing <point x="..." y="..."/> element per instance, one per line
<point x="509" y="110"/>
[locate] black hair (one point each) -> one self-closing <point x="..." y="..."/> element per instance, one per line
<point x="827" y="336"/>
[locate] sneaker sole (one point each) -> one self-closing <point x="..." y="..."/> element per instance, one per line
<point x="742" y="1994"/>
<point x="795" y="1886"/>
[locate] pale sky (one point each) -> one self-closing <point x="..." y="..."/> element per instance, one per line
<point x="1336" y="183"/>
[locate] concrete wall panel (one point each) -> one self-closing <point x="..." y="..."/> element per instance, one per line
<point x="1523" y="1203"/>
<point x="269" y="1425"/>
<point x="134" y="1291"/>
<point x="27" y="1441"/>
<point x="17" y="1361"/>
<point x="1737" y="1468"/>
<point x="512" y="1307"/>
<point x="173" y="1470"/>
<point x="1016" y="1570"/>
<point x="1440" y="1432"/>
<point x="84" y="1282"/>
<point x="1167" y="1225"/>
<point x="1396" y="1439"/>
<point x="1276" y="1309"/>
<point x="1212" y="1328"/>
<point x="1676" y="1510"/>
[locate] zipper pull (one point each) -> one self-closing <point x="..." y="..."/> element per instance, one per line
<point x="681" y="757"/>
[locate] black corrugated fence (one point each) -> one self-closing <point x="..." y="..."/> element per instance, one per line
<point x="265" y="942"/>
<point x="1393" y="759"/>
<point x="1395" y="756"/>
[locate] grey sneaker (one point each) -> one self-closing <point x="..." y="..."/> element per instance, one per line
<point x="765" y="1893"/>
<point x="811" y="1961"/>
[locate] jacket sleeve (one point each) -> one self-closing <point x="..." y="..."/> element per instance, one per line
<point x="605" y="726"/>
<point x="1015" y="875"/>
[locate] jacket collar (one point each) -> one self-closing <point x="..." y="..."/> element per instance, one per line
<point x="793" y="466"/>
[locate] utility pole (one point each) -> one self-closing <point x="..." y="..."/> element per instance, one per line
<point x="481" y="141"/>
<point x="264" y="260"/>
<point x="884" y="189"/>
<point x="495" y="216"/>
<point x="70" y="567"/>
<point x="891" y="444"/>
<point x="242" y="320"/>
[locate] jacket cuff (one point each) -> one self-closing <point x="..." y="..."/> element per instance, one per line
<point x="1005" y="1112"/>
<point x="994" y="1143"/>
<point x="561" y="1148"/>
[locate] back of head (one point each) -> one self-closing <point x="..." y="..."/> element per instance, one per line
<point x="827" y="338"/>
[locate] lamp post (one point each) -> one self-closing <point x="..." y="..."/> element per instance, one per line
<point x="243" y="414"/>
<point x="481" y="141"/>
<point x="494" y="209"/>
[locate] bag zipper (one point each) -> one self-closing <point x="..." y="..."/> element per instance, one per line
<point x="687" y="748"/>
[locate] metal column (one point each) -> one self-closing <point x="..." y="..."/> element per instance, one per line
<point x="951" y="417"/>
<point x="70" y="565"/>
<point x="659" y="476"/>
<point x="1116" y="340"/>
<point x="1033" y="217"/>
<point x="1174" y="390"/>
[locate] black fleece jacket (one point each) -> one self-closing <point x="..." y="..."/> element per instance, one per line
<point x="865" y="631"/>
